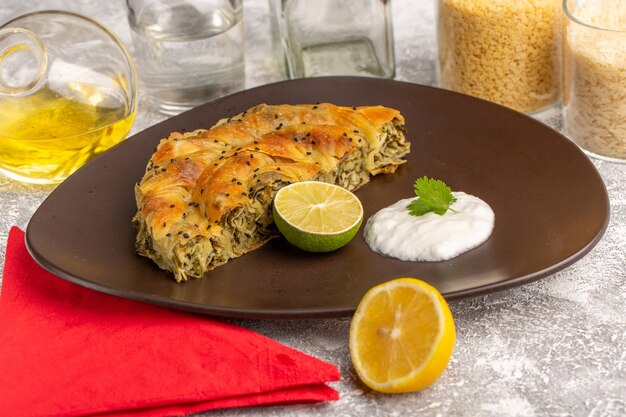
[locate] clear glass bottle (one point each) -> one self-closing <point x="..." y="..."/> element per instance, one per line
<point x="505" y="51"/>
<point x="330" y="37"/>
<point x="594" y="94"/>
<point x="68" y="92"/>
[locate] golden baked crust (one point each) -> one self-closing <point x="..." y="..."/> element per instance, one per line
<point x="206" y="195"/>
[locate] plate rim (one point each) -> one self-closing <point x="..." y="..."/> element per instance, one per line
<point x="302" y="313"/>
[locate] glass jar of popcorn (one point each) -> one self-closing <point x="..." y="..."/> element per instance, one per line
<point x="594" y="94"/>
<point x="505" y="51"/>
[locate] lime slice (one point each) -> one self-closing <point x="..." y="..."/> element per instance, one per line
<point x="316" y="216"/>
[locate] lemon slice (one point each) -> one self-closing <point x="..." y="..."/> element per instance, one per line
<point x="401" y="336"/>
<point x="317" y="216"/>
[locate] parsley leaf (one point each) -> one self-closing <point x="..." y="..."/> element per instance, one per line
<point x="433" y="195"/>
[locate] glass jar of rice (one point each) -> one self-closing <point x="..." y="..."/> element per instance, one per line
<point x="594" y="95"/>
<point x="505" y="51"/>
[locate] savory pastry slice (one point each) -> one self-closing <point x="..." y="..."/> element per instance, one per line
<point x="206" y="195"/>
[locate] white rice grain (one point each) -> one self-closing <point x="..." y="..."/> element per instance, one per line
<point x="594" y="99"/>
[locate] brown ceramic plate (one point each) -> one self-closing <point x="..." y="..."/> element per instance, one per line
<point x="551" y="208"/>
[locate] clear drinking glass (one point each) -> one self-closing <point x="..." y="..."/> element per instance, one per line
<point x="594" y="96"/>
<point x="68" y="92"/>
<point x="187" y="51"/>
<point x="330" y="37"/>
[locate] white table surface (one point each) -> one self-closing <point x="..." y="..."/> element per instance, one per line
<point x="555" y="347"/>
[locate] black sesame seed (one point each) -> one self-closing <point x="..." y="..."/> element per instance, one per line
<point x="222" y="157"/>
<point x="223" y="152"/>
<point x="279" y="126"/>
<point x="248" y="163"/>
<point x="238" y="182"/>
<point x="164" y="224"/>
<point x="251" y="156"/>
<point x="202" y="191"/>
<point x="186" y="235"/>
<point x="278" y="169"/>
<point x="233" y="180"/>
<point x="227" y="194"/>
<point x="244" y="193"/>
<point x="313" y="142"/>
<point x="256" y="169"/>
<point x="168" y="234"/>
<point x="257" y="148"/>
<point x="345" y="134"/>
<point x="355" y="131"/>
<point x="172" y="205"/>
<point x="314" y="107"/>
<point x="308" y="153"/>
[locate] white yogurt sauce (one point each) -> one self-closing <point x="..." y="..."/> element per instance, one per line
<point x="430" y="237"/>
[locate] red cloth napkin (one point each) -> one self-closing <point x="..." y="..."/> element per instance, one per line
<point x="69" y="351"/>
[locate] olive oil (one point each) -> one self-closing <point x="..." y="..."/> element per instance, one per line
<point x="47" y="136"/>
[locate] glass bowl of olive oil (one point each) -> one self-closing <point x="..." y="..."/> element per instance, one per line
<point x="68" y="92"/>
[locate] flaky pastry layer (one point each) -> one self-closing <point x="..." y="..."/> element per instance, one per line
<point x="206" y="195"/>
